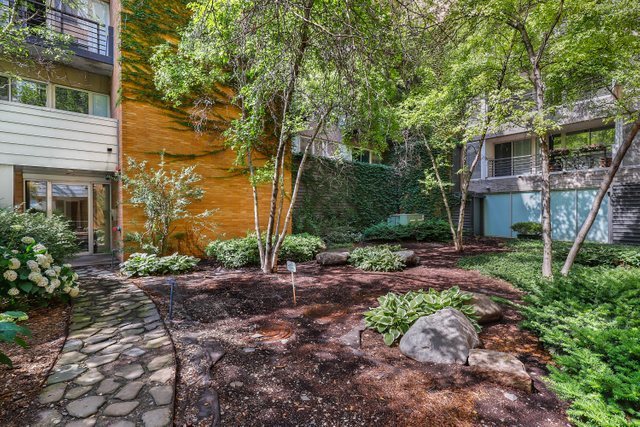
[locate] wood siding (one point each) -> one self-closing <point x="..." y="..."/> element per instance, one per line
<point x="37" y="136"/>
<point x="625" y="215"/>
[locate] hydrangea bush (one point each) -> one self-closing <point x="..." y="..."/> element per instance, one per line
<point x="28" y="270"/>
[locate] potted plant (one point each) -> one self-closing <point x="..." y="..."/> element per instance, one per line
<point x="527" y="230"/>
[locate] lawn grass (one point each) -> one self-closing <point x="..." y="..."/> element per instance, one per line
<point x="589" y="321"/>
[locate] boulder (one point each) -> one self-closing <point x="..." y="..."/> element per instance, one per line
<point x="487" y="311"/>
<point x="409" y="258"/>
<point x="332" y="258"/>
<point x="443" y="337"/>
<point x="502" y="368"/>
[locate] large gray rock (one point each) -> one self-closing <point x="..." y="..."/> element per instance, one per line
<point x="443" y="337"/>
<point x="409" y="258"/>
<point x="502" y="368"/>
<point x="332" y="258"/>
<point x="487" y="311"/>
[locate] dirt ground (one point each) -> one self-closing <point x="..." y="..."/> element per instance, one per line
<point x="279" y="364"/>
<point x="20" y="385"/>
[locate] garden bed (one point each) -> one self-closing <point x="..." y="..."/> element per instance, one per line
<point x="21" y="385"/>
<point x="299" y="365"/>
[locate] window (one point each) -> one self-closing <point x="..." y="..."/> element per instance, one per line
<point x="29" y="92"/>
<point x="73" y="100"/>
<point x="585" y="138"/>
<point x="4" y="88"/>
<point x="100" y="105"/>
<point x="36" y="196"/>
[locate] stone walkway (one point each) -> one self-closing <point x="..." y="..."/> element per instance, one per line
<point x="117" y="367"/>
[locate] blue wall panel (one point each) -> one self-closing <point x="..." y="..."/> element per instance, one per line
<point x="600" y="229"/>
<point x="525" y="207"/>
<point x="563" y="215"/>
<point x="497" y="211"/>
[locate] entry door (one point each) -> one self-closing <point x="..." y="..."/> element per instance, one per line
<point x="72" y="202"/>
<point x="503" y="159"/>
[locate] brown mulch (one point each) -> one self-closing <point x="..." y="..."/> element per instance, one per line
<point x="21" y="385"/>
<point x="287" y="365"/>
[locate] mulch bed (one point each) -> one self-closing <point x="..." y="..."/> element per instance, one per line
<point x="21" y="385"/>
<point x="287" y="365"/>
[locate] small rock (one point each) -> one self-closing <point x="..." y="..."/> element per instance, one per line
<point x="71" y="357"/>
<point x="95" y="361"/>
<point x="162" y="395"/>
<point x="162" y="375"/>
<point x="91" y="377"/>
<point x="76" y="392"/>
<point x="97" y="338"/>
<point x="157" y="417"/>
<point x="157" y="343"/>
<point x="134" y="352"/>
<point x="503" y="368"/>
<point x="107" y="386"/>
<point x="120" y="409"/>
<point x="65" y="373"/>
<point x="87" y="422"/>
<point x="93" y="348"/>
<point x="236" y="384"/>
<point x="487" y="310"/>
<point x="130" y="372"/>
<point x="332" y="258"/>
<point x="72" y="345"/>
<point x="305" y="397"/>
<point x="86" y="406"/>
<point x="512" y="397"/>
<point x="248" y="349"/>
<point x="409" y="258"/>
<point x="160" y="362"/>
<point x="130" y="391"/>
<point x="48" y="418"/>
<point x="52" y="393"/>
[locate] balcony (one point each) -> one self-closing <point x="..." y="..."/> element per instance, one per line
<point x="44" y="137"/>
<point x="589" y="157"/>
<point x="90" y="39"/>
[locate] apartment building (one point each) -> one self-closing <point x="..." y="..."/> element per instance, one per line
<point x="506" y="185"/>
<point x="67" y="130"/>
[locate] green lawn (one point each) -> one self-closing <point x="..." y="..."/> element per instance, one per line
<point x="589" y="321"/>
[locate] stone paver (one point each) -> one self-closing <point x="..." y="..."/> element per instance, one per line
<point x="117" y="367"/>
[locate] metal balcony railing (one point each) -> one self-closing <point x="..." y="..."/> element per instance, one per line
<point x="89" y="38"/>
<point x="560" y="160"/>
<point x="510" y="166"/>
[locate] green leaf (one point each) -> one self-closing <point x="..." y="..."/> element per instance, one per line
<point x="388" y="338"/>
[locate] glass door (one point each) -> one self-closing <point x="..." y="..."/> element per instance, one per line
<point x="72" y="202"/>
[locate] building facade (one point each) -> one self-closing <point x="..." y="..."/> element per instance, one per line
<point x="506" y="185"/>
<point x="66" y="131"/>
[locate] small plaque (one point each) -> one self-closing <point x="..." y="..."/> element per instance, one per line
<point x="291" y="266"/>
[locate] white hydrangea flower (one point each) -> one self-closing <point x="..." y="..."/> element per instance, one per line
<point x="10" y="275"/>
<point x="39" y="247"/>
<point x="13" y="292"/>
<point x="41" y="259"/>
<point x="16" y="227"/>
<point x="74" y="292"/>
<point x="28" y="240"/>
<point x="55" y="283"/>
<point x="66" y="289"/>
<point x="15" y="251"/>
<point x="49" y="289"/>
<point x="43" y="282"/>
<point x="74" y="276"/>
<point x="57" y="269"/>
<point x="51" y="273"/>
<point x="66" y="265"/>
<point x="14" y="263"/>
<point x="35" y="277"/>
<point x="33" y="265"/>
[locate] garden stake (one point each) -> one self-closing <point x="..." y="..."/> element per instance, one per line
<point x="291" y="266"/>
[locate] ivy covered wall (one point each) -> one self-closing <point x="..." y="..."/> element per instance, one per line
<point x="353" y="196"/>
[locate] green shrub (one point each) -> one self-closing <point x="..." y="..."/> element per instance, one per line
<point x="12" y="333"/>
<point x="53" y="232"/>
<point x="527" y="228"/>
<point x="397" y="313"/>
<point x="300" y="247"/>
<point x="594" y="254"/>
<point x="141" y="264"/>
<point x="433" y="230"/>
<point x="342" y="235"/>
<point x="590" y="321"/>
<point x="377" y="258"/>
<point x="243" y="252"/>
<point x="28" y="271"/>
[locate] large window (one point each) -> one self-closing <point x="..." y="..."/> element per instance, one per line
<point x="601" y="137"/>
<point x="42" y="94"/>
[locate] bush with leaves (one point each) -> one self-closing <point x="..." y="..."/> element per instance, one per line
<point x="142" y="264"/>
<point x="53" y="232"/>
<point x="10" y="332"/>
<point x="432" y="230"/>
<point x="527" y="229"/>
<point x="377" y="258"/>
<point x="396" y="313"/>
<point x="594" y="254"/>
<point x="165" y="196"/>
<point x="590" y="323"/>
<point x="243" y="252"/>
<point x="27" y="270"/>
<point x="341" y="235"/>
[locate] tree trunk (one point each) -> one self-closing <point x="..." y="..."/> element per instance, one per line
<point x="442" y="193"/>
<point x="545" y="195"/>
<point x="604" y="188"/>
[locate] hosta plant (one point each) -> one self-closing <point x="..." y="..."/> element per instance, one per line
<point x="396" y="313"/>
<point x="28" y="270"/>
<point x="11" y="332"/>
<point x="377" y="258"/>
<point x="141" y="264"/>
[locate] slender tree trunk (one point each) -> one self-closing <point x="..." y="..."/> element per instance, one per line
<point x="256" y="207"/>
<point x="604" y="188"/>
<point x="545" y="195"/>
<point x="443" y="192"/>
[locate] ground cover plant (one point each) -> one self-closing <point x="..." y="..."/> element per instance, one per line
<point x="432" y="230"/>
<point x="11" y="332"/>
<point x="590" y="322"/>
<point x="244" y="252"/>
<point x="396" y="313"/>
<point x="377" y="258"/>
<point x="53" y="232"/>
<point x="142" y="264"/>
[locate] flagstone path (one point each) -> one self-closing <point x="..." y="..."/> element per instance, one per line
<point x="117" y="367"/>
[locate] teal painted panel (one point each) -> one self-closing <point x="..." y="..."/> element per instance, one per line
<point x="563" y="215"/>
<point x="600" y="229"/>
<point x="525" y="207"/>
<point x="497" y="214"/>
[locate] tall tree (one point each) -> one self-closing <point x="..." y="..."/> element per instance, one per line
<point x="292" y="65"/>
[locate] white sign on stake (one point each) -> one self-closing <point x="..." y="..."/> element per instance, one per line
<point x="291" y="266"/>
